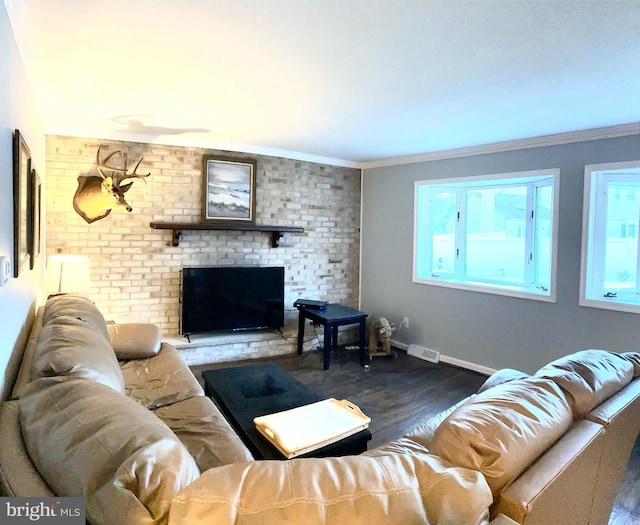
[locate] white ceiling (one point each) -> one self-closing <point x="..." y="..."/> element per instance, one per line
<point x="354" y="80"/>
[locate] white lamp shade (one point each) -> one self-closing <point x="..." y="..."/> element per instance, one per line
<point x="67" y="274"/>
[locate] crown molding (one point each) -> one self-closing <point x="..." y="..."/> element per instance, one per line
<point x="190" y="142"/>
<point x="497" y="147"/>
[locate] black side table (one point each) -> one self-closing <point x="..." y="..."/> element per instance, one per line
<point x="331" y="317"/>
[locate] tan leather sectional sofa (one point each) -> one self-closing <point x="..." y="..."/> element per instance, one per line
<point x="112" y="414"/>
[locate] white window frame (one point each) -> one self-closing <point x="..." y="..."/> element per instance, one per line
<point x="592" y="289"/>
<point x="550" y="176"/>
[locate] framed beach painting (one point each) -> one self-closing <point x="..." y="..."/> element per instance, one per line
<point x="229" y="189"/>
<point x="21" y="203"/>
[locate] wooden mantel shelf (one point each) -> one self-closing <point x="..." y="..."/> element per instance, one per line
<point x="177" y="227"/>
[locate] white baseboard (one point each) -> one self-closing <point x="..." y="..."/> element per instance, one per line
<point x="399" y="345"/>
<point x="466" y="364"/>
<point x="452" y="360"/>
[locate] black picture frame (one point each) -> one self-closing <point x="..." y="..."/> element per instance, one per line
<point x="21" y="203"/>
<point x="35" y="228"/>
<point x="228" y="189"/>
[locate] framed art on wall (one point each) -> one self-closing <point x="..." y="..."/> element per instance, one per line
<point x="229" y="189"/>
<point x="36" y="214"/>
<point x="21" y="203"/>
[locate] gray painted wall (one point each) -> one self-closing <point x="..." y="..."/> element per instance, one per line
<point x="488" y="330"/>
<point x="19" y="296"/>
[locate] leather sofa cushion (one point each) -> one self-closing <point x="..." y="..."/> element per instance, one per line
<point x="589" y="377"/>
<point x="358" y="490"/>
<point x="423" y="433"/>
<point x="500" y="377"/>
<point x="160" y="380"/>
<point x="501" y="431"/>
<point x="634" y="359"/>
<point x="134" y="340"/>
<point x="76" y="306"/>
<point x="399" y="446"/>
<point x="205" y="432"/>
<point x="68" y="346"/>
<point x="88" y="440"/>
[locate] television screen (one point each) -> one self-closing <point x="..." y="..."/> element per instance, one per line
<point x="232" y="298"/>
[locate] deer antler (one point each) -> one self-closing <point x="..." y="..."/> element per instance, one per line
<point x="102" y="166"/>
<point x="133" y="175"/>
<point x="117" y="179"/>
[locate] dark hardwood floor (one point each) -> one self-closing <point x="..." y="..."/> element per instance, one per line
<point x="399" y="394"/>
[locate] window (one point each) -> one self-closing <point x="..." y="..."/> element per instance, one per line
<point x="494" y="234"/>
<point x="609" y="275"/>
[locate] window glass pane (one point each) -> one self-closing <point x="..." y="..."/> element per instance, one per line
<point x="478" y="233"/>
<point x="542" y="232"/>
<point x="621" y="244"/>
<point x="443" y="220"/>
<point x="495" y="241"/>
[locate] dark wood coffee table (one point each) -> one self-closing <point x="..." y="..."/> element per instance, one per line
<point x="245" y="392"/>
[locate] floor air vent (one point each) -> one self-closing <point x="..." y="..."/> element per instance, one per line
<point x="424" y="353"/>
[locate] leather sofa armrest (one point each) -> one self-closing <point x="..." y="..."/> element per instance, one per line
<point x="620" y="415"/>
<point x="501" y="519"/>
<point x="559" y="486"/>
<point x="18" y="475"/>
<point x="24" y="373"/>
<point x="134" y="340"/>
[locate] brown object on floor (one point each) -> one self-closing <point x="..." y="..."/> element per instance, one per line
<point x="379" y="331"/>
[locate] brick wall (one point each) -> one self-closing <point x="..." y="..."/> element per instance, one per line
<point x="135" y="271"/>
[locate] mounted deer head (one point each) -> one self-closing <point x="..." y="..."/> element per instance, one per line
<point x="96" y="195"/>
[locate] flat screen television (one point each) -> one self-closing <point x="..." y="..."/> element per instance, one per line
<point x="228" y="298"/>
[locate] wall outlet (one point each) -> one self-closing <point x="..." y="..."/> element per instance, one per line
<point x="5" y="270"/>
<point x="405" y="322"/>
